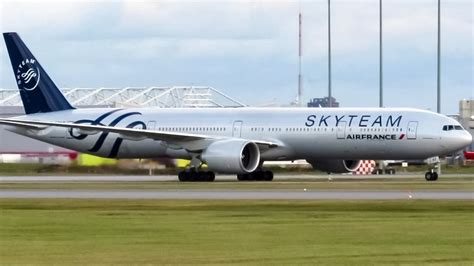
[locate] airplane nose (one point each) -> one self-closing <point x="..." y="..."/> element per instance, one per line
<point x="467" y="139"/>
<point x="457" y="142"/>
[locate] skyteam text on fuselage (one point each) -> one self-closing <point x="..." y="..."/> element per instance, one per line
<point x="228" y="140"/>
<point x="364" y="120"/>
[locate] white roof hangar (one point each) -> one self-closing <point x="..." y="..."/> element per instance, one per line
<point x="171" y="97"/>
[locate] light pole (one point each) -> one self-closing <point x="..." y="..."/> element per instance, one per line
<point x="438" y="108"/>
<point x="380" y="57"/>
<point x="299" y="100"/>
<point x="329" y="54"/>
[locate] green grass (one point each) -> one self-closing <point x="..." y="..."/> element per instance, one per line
<point x="20" y="169"/>
<point x="236" y="232"/>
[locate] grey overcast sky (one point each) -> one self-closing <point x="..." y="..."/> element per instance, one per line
<point x="248" y="49"/>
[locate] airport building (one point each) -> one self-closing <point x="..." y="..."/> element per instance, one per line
<point x="466" y="117"/>
<point x="323" y="102"/>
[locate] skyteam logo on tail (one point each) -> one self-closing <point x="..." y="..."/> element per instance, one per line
<point x="28" y="74"/>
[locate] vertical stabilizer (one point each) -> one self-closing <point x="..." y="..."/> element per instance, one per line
<point x="38" y="92"/>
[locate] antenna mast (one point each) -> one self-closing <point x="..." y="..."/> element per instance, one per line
<point x="300" y="78"/>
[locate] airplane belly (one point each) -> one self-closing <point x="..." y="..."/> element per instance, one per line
<point x="414" y="149"/>
<point x="329" y="147"/>
<point x="141" y="149"/>
<point x="333" y="150"/>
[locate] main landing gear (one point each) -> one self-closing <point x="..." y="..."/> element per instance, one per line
<point x="259" y="175"/>
<point x="192" y="175"/>
<point x="193" y="172"/>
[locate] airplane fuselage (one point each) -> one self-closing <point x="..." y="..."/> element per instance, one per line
<point x="301" y="133"/>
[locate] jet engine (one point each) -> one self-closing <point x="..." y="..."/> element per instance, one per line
<point x="336" y="166"/>
<point x="234" y="156"/>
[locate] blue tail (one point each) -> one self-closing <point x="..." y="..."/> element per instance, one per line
<point x="38" y="92"/>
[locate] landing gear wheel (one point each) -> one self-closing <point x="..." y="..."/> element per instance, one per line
<point x="268" y="176"/>
<point x="196" y="176"/>
<point x="203" y="176"/>
<point x="182" y="177"/>
<point x="243" y="177"/>
<point x="207" y="176"/>
<point x="431" y="176"/>
<point x="428" y="176"/>
<point x="256" y="176"/>
<point x="211" y="177"/>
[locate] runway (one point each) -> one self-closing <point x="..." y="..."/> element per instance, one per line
<point x="237" y="195"/>
<point x="146" y="178"/>
<point x="317" y="187"/>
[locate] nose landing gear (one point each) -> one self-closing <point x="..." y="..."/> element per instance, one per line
<point x="431" y="176"/>
<point x="435" y="169"/>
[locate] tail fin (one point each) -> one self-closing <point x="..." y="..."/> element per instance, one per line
<point x="38" y="92"/>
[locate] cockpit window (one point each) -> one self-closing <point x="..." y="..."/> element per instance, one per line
<point x="452" y="127"/>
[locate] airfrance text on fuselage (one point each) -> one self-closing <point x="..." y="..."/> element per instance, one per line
<point x="375" y="136"/>
<point x="354" y="120"/>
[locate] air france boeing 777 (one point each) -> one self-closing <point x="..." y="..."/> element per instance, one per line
<point x="228" y="140"/>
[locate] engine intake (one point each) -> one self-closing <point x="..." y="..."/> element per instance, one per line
<point x="336" y="166"/>
<point x="233" y="156"/>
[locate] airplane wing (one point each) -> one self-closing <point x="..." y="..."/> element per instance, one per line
<point x="21" y="124"/>
<point x="185" y="140"/>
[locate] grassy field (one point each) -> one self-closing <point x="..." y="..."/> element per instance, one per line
<point x="236" y="232"/>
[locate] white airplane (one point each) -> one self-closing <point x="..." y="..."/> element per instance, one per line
<point x="228" y="140"/>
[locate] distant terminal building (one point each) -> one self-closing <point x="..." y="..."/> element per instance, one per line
<point x="466" y="117"/>
<point x="14" y="147"/>
<point x="323" y="102"/>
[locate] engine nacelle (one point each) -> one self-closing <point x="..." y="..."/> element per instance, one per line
<point x="233" y="156"/>
<point x="336" y="166"/>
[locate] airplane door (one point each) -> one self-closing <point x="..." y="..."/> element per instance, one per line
<point x="151" y="125"/>
<point x="237" y="129"/>
<point x="341" y="130"/>
<point x="411" y="129"/>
